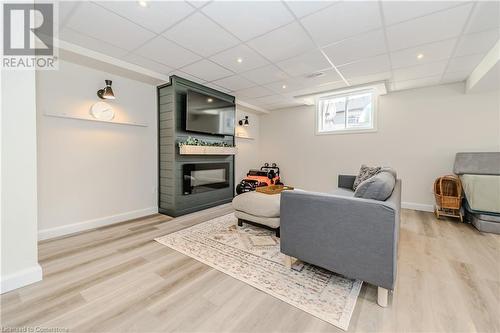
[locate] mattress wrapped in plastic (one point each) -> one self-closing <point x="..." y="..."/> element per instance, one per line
<point x="482" y="192"/>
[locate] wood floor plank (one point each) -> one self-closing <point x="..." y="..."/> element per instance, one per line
<point x="93" y="245"/>
<point x="149" y="268"/>
<point x="115" y="314"/>
<point x="190" y="292"/>
<point x="118" y="279"/>
<point x="107" y="299"/>
<point x="75" y="286"/>
<point x="41" y="312"/>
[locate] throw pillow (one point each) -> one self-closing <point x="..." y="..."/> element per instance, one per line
<point x="391" y="170"/>
<point x="378" y="187"/>
<point x="365" y="172"/>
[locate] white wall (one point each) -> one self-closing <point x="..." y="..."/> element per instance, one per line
<point x="93" y="173"/>
<point x="19" y="252"/>
<point x="419" y="132"/>
<point x="248" y="149"/>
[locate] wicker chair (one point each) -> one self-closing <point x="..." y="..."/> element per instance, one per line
<point x="448" y="195"/>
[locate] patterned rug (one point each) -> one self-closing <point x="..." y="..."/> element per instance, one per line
<point x="252" y="255"/>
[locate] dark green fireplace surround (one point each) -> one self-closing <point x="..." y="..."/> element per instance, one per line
<point x="171" y="129"/>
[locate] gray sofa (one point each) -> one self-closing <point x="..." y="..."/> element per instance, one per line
<point x="355" y="237"/>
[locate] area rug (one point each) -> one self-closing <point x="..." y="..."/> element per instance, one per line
<point x="252" y="255"/>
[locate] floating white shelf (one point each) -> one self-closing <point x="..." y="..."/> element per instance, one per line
<point x="206" y="150"/>
<point x="64" y="115"/>
<point x="244" y="137"/>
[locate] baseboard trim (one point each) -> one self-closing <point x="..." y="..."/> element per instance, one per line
<point x="417" y="206"/>
<point x="20" y="279"/>
<point x="64" y="230"/>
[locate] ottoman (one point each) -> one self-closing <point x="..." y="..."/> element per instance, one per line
<point x="258" y="209"/>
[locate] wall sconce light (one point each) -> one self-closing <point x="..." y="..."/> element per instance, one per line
<point x="106" y="92"/>
<point x="244" y="122"/>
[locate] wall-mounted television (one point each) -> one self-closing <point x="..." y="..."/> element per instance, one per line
<point x="209" y="114"/>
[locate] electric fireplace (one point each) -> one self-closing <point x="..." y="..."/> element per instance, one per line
<point x="204" y="177"/>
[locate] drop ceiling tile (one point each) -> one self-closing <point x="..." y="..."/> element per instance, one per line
<point x="343" y="20"/>
<point x="167" y="53"/>
<point x="320" y="88"/>
<point x="199" y="34"/>
<point x="365" y="67"/>
<point x="486" y="16"/>
<point x="248" y="19"/>
<point x="428" y="29"/>
<point x="198" y="3"/>
<point x="229" y="59"/>
<point x="417" y="83"/>
<point x="328" y="77"/>
<point x="397" y="11"/>
<point x="306" y="63"/>
<point x="90" y="43"/>
<point x="328" y="86"/>
<point x="292" y="84"/>
<point x="420" y="71"/>
<point x="146" y="63"/>
<point x="465" y="63"/>
<point x="265" y="74"/>
<point x="370" y="78"/>
<point x="234" y="82"/>
<point x="455" y="77"/>
<point x="284" y="105"/>
<point x="217" y="87"/>
<point x="254" y="92"/>
<point x="283" y="43"/>
<point x="432" y="52"/>
<point x="95" y="21"/>
<point x="269" y="100"/>
<point x="480" y="42"/>
<point x="271" y="106"/>
<point x="206" y="70"/>
<point x="303" y="8"/>
<point x="148" y="16"/>
<point x="356" y="48"/>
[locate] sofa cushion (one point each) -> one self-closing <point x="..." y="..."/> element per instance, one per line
<point x="378" y="187"/>
<point x="364" y="173"/>
<point x="343" y="192"/>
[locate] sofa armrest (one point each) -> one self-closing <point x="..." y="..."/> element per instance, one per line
<point x="346" y="181"/>
<point x="350" y="236"/>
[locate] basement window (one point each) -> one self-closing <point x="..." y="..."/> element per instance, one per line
<point x="352" y="112"/>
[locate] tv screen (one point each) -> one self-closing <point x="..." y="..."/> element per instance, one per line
<point x="209" y="114"/>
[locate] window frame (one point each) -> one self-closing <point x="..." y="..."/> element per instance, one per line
<point x="344" y="93"/>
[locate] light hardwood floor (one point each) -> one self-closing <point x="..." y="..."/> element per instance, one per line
<point x="118" y="279"/>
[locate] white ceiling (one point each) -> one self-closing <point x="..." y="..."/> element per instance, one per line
<point x="281" y="44"/>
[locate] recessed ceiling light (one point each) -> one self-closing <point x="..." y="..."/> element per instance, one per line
<point x="209" y="100"/>
<point x="143" y="3"/>
<point x="239" y="60"/>
<point x="420" y="56"/>
<point x="283" y="86"/>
